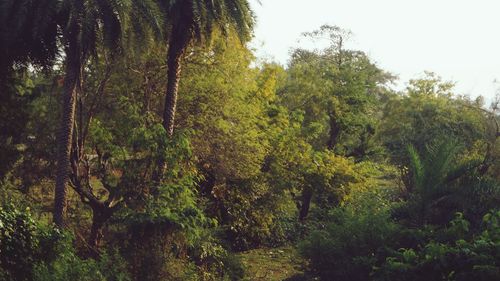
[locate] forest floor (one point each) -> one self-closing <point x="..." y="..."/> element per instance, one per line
<point x="273" y="265"/>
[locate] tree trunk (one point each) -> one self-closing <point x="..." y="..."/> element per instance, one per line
<point x="179" y="41"/>
<point x="305" y="204"/>
<point x="178" y="44"/>
<point x="334" y="132"/>
<point x="65" y="136"/>
<point x="100" y="215"/>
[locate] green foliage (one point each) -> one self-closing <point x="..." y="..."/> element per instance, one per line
<point x="30" y="251"/>
<point x="173" y="202"/>
<point x="230" y="125"/>
<point x="309" y="175"/>
<point x="14" y="100"/>
<point x="69" y="266"/>
<point x="19" y="244"/>
<point x="364" y="243"/>
<point x="246" y="217"/>
<point x="427" y="112"/>
<point x="231" y="137"/>
<point x="31" y="30"/>
<point x="23" y="98"/>
<point x="440" y="184"/>
<point x="214" y="261"/>
<point x="460" y="258"/>
<point x="353" y="240"/>
<point x="203" y="17"/>
<point x="337" y="90"/>
<point x="262" y="156"/>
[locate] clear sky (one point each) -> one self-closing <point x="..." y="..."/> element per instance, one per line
<point x="457" y="39"/>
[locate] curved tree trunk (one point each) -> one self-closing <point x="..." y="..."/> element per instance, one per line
<point x="65" y="136"/>
<point x="178" y="44"/>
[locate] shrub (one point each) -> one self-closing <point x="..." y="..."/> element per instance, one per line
<point x="352" y="242"/>
<point x="68" y="266"/>
<point x="19" y="244"/>
<point x="34" y="252"/>
<point x="368" y="245"/>
<point x="459" y="258"/>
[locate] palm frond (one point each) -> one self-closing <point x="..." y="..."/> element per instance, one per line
<point x="205" y="16"/>
<point x="439" y="159"/>
<point x="148" y="16"/>
<point x="28" y="32"/>
<point x="416" y="168"/>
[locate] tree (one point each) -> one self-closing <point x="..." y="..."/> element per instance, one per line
<point x="82" y="24"/>
<point x="85" y="25"/>
<point x="309" y="175"/>
<point x="338" y="90"/>
<point x="427" y="111"/>
<point x="226" y="103"/>
<point x="194" y="21"/>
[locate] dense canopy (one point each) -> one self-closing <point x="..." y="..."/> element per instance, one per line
<point x="114" y="165"/>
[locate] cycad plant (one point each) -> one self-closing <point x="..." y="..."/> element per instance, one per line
<point x="434" y="175"/>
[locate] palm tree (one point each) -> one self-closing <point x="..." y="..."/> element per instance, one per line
<point x="83" y="24"/>
<point x="89" y="23"/>
<point x="194" y="21"/>
<point x="35" y="31"/>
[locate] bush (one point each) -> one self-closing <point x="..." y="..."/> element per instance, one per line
<point x="286" y="229"/>
<point x="457" y="259"/>
<point x="352" y="242"/>
<point x="68" y="266"/>
<point x="367" y="245"/>
<point x="19" y="244"/>
<point x="213" y="260"/>
<point x="31" y="251"/>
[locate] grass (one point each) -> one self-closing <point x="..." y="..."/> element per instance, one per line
<point x="272" y="264"/>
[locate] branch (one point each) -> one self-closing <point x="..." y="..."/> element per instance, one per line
<point x="93" y="105"/>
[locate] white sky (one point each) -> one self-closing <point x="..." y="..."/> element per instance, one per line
<point x="457" y="39"/>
